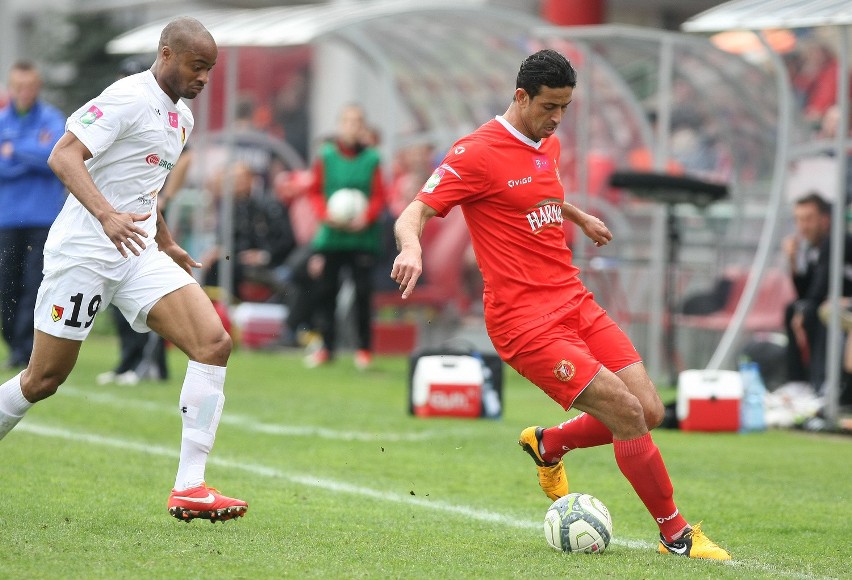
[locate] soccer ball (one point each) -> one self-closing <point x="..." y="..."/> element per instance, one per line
<point x="346" y="204"/>
<point x="578" y="522"/>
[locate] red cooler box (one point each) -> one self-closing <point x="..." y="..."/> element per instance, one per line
<point x="709" y="400"/>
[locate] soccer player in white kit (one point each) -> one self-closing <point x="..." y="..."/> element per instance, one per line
<point x="110" y="244"/>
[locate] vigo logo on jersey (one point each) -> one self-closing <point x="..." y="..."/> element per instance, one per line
<point x="521" y="181"/>
<point x="154" y="159"/>
<point x="546" y="214"/>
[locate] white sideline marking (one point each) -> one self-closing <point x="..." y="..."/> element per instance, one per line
<point x="249" y="424"/>
<point x="343" y="487"/>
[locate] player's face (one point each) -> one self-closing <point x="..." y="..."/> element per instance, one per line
<point x="186" y="73"/>
<point x="541" y="115"/>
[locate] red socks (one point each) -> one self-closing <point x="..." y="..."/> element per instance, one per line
<point x="641" y="463"/>
<point x="581" y="431"/>
<point x="639" y="460"/>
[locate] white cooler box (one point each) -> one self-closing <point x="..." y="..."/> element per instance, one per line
<point x="709" y="400"/>
<point x="455" y="385"/>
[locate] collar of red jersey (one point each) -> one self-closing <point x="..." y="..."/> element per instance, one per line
<point x="518" y="135"/>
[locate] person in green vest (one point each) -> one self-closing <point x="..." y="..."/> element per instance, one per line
<point x="347" y="161"/>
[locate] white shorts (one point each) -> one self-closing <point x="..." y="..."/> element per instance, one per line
<point x="74" y="290"/>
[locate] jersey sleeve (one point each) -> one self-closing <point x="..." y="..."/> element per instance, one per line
<point x="461" y="177"/>
<point x="101" y="121"/>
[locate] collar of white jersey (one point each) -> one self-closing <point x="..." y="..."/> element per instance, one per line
<point x="518" y="135"/>
<point x="158" y="90"/>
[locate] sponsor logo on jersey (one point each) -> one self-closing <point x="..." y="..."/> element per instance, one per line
<point x="90" y="116"/>
<point x="458" y="150"/>
<point x="564" y="370"/>
<point x="148" y="199"/>
<point x="541" y="162"/>
<point x="56" y="313"/>
<point x="521" y="181"/>
<point x="545" y="214"/>
<point x="173" y="119"/>
<point x="154" y="159"/>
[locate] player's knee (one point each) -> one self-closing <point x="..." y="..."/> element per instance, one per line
<point x="631" y="411"/>
<point x="654" y="415"/>
<point x="38" y="386"/>
<point x="218" y="350"/>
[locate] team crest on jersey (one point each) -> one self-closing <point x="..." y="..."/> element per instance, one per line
<point x="564" y="370"/>
<point x="90" y="116"/>
<point x="56" y="313"/>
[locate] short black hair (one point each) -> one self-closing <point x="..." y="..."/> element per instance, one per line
<point x="813" y="197"/>
<point x="545" y="68"/>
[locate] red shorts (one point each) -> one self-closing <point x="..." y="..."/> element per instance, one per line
<point x="562" y="352"/>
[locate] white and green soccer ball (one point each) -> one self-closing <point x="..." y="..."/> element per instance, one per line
<point x="578" y="522"/>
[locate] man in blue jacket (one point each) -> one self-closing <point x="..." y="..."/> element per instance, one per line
<point x="31" y="197"/>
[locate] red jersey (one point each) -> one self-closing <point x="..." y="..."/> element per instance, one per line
<point x="511" y="196"/>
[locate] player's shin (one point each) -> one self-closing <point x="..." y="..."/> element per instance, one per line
<point x="13" y="405"/>
<point x="576" y="433"/>
<point x="201" y="402"/>
<point x="641" y="463"/>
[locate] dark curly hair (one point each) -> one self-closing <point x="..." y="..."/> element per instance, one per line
<point x="545" y="68"/>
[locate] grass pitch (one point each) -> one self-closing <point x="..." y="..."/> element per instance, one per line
<point x="341" y="482"/>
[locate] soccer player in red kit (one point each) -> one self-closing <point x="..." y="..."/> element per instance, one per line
<point x="541" y="319"/>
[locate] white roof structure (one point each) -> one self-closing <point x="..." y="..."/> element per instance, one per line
<point x="766" y="14"/>
<point x="290" y="25"/>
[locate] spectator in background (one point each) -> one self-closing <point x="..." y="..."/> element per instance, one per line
<point x="31" y="197"/>
<point x="808" y="253"/>
<point x="291" y="112"/>
<point x="347" y="162"/>
<point x="816" y="80"/>
<point x="263" y="236"/>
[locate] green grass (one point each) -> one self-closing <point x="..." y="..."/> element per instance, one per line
<point x="343" y="483"/>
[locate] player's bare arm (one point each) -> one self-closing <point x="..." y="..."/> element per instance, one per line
<point x="408" y="264"/>
<point x="593" y="227"/>
<point x="167" y="244"/>
<point x="67" y="162"/>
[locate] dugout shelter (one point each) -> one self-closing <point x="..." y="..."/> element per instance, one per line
<point x="762" y="17"/>
<point x="647" y="100"/>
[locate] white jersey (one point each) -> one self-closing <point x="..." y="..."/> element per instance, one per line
<point x="135" y="134"/>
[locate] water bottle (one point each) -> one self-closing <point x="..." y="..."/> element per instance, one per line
<point x="491" y="408"/>
<point x="752" y="408"/>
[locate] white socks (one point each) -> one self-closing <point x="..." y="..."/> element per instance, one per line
<point x="201" y="401"/>
<point x="13" y="405"/>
